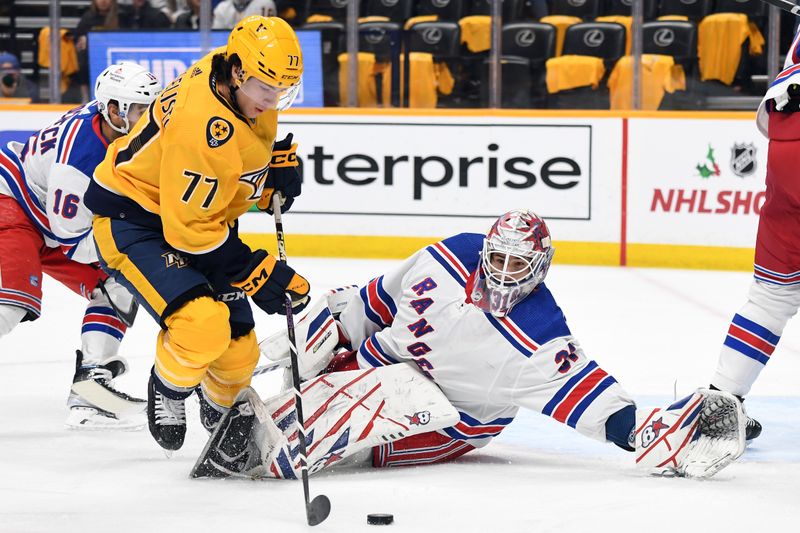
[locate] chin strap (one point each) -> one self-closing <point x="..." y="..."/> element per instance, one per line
<point x="124" y="130"/>
<point x="104" y="112"/>
<point x="234" y="101"/>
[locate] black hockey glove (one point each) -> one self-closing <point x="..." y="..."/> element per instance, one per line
<point x="790" y="102"/>
<point x="283" y="177"/>
<point x="266" y="281"/>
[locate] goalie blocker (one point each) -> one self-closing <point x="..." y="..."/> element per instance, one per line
<point x="318" y="336"/>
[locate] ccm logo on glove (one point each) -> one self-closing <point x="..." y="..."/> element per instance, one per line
<point x="284" y="158"/>
<point x="283" y="176"/>
<point x="266" y="280"/>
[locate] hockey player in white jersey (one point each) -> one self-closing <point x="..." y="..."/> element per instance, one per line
<point x="774" y="293"/>
<point x="437" y="358"/>
<point x="45" y="228"/>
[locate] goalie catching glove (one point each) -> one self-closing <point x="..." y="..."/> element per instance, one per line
<point x="283" y="176"/>
<point x="266" y="281"/>
<point x="694" y="437"/>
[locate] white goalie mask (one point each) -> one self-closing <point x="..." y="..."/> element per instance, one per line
<point x="516" y="256"/>
<point x="126" y="84"/>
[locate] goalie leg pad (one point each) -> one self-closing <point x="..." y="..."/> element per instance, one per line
<point x="695" y="437"/>
<point x="347" y="412"/>
<point x="352" y="411"/>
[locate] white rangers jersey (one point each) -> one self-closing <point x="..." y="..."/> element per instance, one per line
<point x="49" y="174"/>
<point x="488" y="367"/>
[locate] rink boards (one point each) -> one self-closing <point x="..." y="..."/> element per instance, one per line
<point x="643" y="189"/>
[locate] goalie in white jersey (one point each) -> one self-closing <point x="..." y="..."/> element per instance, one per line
<point x="472" y="315"/>
<point x="46" y="228"/>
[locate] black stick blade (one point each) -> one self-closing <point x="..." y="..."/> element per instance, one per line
<point x="318" y="510"/>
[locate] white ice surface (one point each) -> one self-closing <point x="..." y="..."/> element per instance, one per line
<point x="649" y="328"/>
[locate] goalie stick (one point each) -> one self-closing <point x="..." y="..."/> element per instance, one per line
<point x="318" y="509"/>
<point x="786" y="5"/>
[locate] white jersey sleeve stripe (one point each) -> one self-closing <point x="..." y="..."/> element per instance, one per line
<point x="369" y="358"/>
<point x="378" y="305"/>
<point x="518" y="333"/>
<point x="11" y="172"/>
<point x="598" y="389"/>
<point x="522" y="343"/>
<point x="374" y="348"/>
<point x="380" y="300"/>
<point x="575" y="396"/>
<point x="449" y="261"/>
<point x="67" y="141"/>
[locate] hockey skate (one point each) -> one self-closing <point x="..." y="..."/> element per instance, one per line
<point x="166" y="417"/>
<point x="231" y="450"/>
<point x="95" y="404"/>
<point x="752" y="429"/>
<point x="210" y="412"/>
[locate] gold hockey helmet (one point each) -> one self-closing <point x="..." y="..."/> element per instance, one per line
<point x="270" y="53"/>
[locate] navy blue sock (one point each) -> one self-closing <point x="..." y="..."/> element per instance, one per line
<point x="619" y="427"/>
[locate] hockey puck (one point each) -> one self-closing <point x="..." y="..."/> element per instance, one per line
<point x="380" y="519"/>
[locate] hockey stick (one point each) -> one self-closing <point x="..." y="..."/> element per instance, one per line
<point x="269" y="367"/>
<point x="318" y="509"/>
<point x="786" y="5"/>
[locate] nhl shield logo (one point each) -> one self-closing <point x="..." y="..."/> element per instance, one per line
<point x="218" y="131"/>
<point x="743" y="159"/>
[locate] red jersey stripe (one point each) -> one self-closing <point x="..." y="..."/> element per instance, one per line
<point x="578" y="393"/>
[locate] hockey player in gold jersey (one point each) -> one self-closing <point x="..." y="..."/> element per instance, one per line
<point x="167" y="199"/>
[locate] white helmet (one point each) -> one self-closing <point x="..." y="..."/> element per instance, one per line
<point x="516" y="256"/>
<point x="125" y="83"/>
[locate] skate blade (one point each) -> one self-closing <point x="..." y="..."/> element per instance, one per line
<point x="88" y="419"/>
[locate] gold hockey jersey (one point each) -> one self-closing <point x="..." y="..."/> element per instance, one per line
<point x="193" y="160"/>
